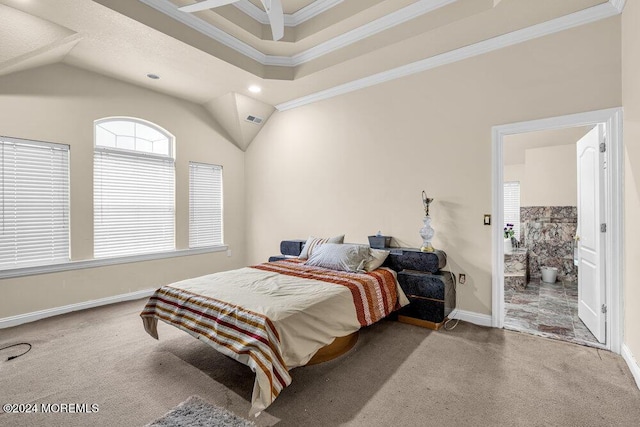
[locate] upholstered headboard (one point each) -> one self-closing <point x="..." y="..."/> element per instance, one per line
<point x="291" y="247"/>
<point x="399" y="258"/>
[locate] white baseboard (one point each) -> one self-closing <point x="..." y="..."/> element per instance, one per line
<point x="633" y="364"/>
<point x="471" y="317"/>
<point x="8" y="322"/>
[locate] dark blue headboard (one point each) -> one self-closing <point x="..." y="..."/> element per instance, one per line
<point x="399" y="258"/>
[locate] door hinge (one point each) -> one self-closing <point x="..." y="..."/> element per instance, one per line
<point x="603" y="147"/>
<point x="604" y="308"/>
<point x="603" y="228"/>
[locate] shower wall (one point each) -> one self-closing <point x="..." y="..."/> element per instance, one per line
<point x="548" y="237"/>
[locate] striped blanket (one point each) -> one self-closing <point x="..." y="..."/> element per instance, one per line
<point x="374" y="294"/>
<point x="274" y="316"/>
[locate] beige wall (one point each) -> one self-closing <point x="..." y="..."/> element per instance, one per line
<point x="515" y="173"/>
<point x="59" y="103"/>
<point x="551" y="176"/>
<point x="544" y="162"/>
<point x="631" y="104"/>
<point x="357" y="163"/>
<point x="548" y="176"/>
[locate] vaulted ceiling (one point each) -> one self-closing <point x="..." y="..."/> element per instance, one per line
<point x="329" y="47"/>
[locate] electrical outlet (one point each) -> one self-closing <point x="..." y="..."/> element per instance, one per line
<point x="228" y="252"/>
<point x="463" y="278"/>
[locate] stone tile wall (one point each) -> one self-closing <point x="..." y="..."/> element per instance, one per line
<point x="516" y="270"/>
<point x="516" y="262"/>
<point x="548" y="237"/>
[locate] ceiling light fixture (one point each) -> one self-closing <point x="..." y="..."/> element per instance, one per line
<point x="153" y="76"/>
<point x="255" y="89"/>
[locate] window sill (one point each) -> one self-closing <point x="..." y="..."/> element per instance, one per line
<point x="92" y="263"/>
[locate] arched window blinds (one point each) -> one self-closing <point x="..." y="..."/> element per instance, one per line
<point x="134" y="189"/>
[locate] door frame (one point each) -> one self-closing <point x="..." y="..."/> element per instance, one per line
<point x="614" y="239"/>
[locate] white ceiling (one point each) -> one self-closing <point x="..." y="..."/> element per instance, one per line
<point x="330" y="46"/>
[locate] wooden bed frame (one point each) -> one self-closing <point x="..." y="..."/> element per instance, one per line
<point x="337" y="348"/>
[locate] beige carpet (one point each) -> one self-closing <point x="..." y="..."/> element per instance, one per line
<point x="397" y="375"/>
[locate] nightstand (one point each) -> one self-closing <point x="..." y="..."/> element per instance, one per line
<point x="432" y="297"/>
<point x="430" y="290"/>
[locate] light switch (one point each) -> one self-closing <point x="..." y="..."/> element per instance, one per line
<point x="487" y="219"/>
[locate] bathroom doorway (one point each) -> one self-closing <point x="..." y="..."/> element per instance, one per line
<point x="535" y="284"/>
<point x="541" y="291"/>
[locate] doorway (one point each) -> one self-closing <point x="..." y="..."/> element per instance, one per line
<point x="541" y="210"/>
<point x="609" y="304"/>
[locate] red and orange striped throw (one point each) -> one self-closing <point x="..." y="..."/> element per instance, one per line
<point x="374" y="294"/>
<point x="251" y="337"/>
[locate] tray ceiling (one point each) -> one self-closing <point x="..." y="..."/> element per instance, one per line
<point x="329" y="47"/>
<point x="340" y="41"/>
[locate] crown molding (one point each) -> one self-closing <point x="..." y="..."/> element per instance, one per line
<point x="189" y="19"/>
<point x="312" y="10"/>
<point x="393" y="19"/>
<point x="290" y="20"/>
<point x="586" y="16"/>
<point x="618" y="4"/>
<point x="398" y="17"/>
<point x="260" y="15"/>
<point x="255" y="12"/>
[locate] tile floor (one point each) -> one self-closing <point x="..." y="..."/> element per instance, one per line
<point x="549" y="310"/>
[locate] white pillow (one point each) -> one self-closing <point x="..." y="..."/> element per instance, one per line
<point x="341" y="257"/>
<point x="376" y="259"/>
<point x="313" y="242"/>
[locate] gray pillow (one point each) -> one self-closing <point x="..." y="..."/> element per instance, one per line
<point x="340" y="257"/>
<point x="313" y="242"/>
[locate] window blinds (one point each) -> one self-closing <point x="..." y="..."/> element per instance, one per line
<point x="133" y="203"/>
<point x="34" y="210"/>
<point x="205" y="205"/>
<point x="512" y="206"/>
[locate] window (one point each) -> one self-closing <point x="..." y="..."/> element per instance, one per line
<point x="34" y="210"/>
<point x="512" y="206"/>
<point x="133" y="188"/>
<point x="205" y="205"/>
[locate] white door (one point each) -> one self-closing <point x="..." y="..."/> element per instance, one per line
<point x="589" y="236"/>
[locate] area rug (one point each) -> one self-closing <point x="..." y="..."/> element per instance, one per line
<point x="195" y="412"/>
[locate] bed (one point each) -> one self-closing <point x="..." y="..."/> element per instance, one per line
<point x="276" y="316"/>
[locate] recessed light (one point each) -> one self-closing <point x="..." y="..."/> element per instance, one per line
<point x="153" y="76"/>
<point x="255" y="89"/>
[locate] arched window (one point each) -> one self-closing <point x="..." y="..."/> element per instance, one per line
<point x="128" y="134"/>
<point x="133" y="188"/>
